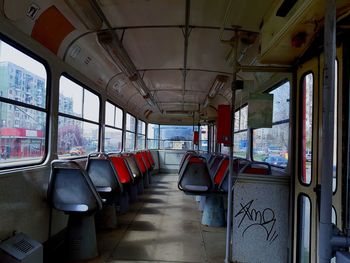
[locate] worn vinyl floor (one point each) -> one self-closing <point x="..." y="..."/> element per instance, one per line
<point x="163" y="226"/>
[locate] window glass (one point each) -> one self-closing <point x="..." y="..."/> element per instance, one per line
<point x="237" y="113"/>
<point x="141" y="142"/>
<point x="141" y="127"/>
<point x="240" y="144"/>
<point x="71" y="98"/>
<point x="271" y="144"/>
<point x="78" y="132"/>
<point x="307" y="111"/>
<point x="152" y="136"/>
<point x="240" y="136"/>
<point x="22" y="77"/>
<point x="243" y="121"/>
<point x="91" y="106"/>
<point x="176" y="137"/>
<point x="129" y="141"/>
<point x="22" y="127"/>
<point x="281" y="103"/>
<point x="113" y="140"/>
<point x="110" y="109"/>
<point x="118" y="118"/>
<point x="130" y="123"/>
<point x="76" y="138"/>
<point x="203" y="138"/>
<point x="304" y="230"/>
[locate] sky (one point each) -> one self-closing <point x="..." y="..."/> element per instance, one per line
<point x="8" y="53"/>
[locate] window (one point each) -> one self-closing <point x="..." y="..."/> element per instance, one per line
<point x="78" y="127"/>
<point x="23" y="116"/>
<point x="130" y="127"/>
<point x="304" y="228"/>
<point x="113" y="128"/>
<point x="176" y="137"/>
<point x="152" y="136"/>
<point x="307" y="128"/>
<point x="271" y="144"/>
<point x="240" y="140"/>
<point x="203" y="138"/>
<point x="141" y="135"/>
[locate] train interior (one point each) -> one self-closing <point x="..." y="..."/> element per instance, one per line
<point x="174" y="131"/>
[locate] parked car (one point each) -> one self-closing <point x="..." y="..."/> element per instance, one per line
<point x="276" y="160"/>
<point x="77" y="150"/>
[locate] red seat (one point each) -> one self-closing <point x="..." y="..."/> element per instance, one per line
<point x="140" y="163"/>
<point x="122" y="169"/>
<point x="146" y="160"/>
<point x="150" y="158"/>
<point x="221" y="171"/>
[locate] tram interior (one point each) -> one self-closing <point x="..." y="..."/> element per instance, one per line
<point x="174" y="131"/>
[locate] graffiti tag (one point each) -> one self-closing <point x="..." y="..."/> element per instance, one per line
<point x="251" y="218"/>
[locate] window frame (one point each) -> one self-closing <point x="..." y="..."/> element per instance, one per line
<point x="65" y="115"/>
<point x="46" y="109"/>
<point x="285" y="121"/>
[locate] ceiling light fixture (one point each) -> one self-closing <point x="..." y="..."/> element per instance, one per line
<point x="112" y="45"/>
<point x="218" y="85"/>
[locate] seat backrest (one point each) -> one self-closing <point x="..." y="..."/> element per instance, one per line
<point x="194" y="178"/>
<point x="122" y="168"/>
<point x="150" y="158"/>
<point x="102" y="173"/>
<point x="214" y="165"/>
<point x="71" y="190"/>
<point x="130" y="159"/>
<point x="184" y="157"/>
<point x="140" y="162"/>
<point x="238" y="163"/>
<point x="221" y="171"/>
<point x="146" y="160"/>
<point x="260" y="168"/>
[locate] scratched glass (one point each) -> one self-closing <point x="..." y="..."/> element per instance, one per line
<point x="304" y="230"/>
<point x="307" y="128"/>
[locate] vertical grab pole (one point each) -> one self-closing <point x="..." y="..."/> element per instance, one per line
<point x="231" y="171"/>
<point x="327" y="132"/>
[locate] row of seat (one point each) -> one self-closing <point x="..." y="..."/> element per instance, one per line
<point x="108" y="180"/>
<point x="208" y="173"/>
<point x="207" y="177"/>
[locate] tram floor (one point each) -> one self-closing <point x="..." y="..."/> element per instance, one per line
<point x="163" y="226"/>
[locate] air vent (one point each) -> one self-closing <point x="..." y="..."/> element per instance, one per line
<point x="20" y="248"/>
<point x="23" y="246"/>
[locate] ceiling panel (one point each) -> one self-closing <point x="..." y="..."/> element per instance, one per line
<point x="122" y="13"/>
<point x="163" y="79"/>
<point x="169" y="96"/>
<point x="155" y="47"/>
<point x="207" y="52"/>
